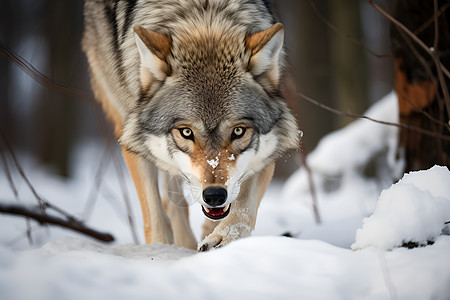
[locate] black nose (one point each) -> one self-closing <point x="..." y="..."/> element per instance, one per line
<point x="215" y="196"/>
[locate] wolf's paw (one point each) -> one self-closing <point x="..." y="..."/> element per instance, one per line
<point x="224" y="235"/>
<point x="211" y="241"/>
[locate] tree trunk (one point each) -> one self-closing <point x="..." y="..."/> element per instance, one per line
<point x="54" y="115"/>
<point x="349" y="74"/>
<point x="421" y="97"/>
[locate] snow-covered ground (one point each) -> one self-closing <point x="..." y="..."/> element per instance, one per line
<point x="351" y="168"/>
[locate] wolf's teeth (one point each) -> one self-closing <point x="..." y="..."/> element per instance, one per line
<point x="226" y="207"/>
<point x="207" y="209"/>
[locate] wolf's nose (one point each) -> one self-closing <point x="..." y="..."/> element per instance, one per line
<point x="215" y="196"/>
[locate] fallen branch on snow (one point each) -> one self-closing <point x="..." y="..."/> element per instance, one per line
<point x="44" y="219"/>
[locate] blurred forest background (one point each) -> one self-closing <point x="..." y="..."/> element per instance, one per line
<point x="327" y="63"/>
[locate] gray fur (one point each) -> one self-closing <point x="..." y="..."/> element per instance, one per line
<point x="210" y="82"/>
<point x="177" y="78"/>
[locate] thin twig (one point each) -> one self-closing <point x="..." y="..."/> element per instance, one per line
<point x="93" y="194"/>
<point x="8" y="176"/>
<point x="29" y="235"/>
<point x="436" y="26"/>
<point x="311" y="187"/>
<point x="18" y="238"/>
<point x="408" y="32"/>
<point x="431" y="77"/>
<point x="355" y="116"/>
<point x="348" y="36"/>
<point x="439" y="66"/>
<point x="59" y="210"/>
<point x="16" y="194"/>
<point x="120" y="175"/>
<point x="439" y="71"/>
<point x="334" y="28"/>
<point x="72" y="223"/>
<point x="437" y="60"/>
<point x="41" y="78"/>
<point x="430" y="21"/>
<point x="67" y="90"/>
<point x="22" y="173"/>
<point x="42" y="217"/>
<point x="126" y="198"/>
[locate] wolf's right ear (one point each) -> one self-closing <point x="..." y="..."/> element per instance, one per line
<point x="265" y="49"/>
<point x="154" y="49"/>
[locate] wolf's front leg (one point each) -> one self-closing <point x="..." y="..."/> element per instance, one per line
<point x="242" y="218"/>
<point x="157" y="227"/>
<point x="178" y="211"/>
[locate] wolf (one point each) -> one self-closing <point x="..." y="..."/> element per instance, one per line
<point x="193" y="89"/>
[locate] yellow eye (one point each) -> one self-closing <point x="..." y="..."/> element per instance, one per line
<point x="238" y="132"/>
<point x="187" y="133"/>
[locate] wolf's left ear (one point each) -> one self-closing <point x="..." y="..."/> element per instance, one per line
<point x="265" y="49"/>
<point x="154" y="49"/>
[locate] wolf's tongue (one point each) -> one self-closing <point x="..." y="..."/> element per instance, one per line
<point x="216" y="211"/>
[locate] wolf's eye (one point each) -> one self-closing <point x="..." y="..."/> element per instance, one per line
<point x="238" y="132"/>
<point x="187" y="133"/>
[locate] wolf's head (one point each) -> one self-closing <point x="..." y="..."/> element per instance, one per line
<point x="211" y="109"/>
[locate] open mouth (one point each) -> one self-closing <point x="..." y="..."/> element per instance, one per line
<point x="216" y="213"/>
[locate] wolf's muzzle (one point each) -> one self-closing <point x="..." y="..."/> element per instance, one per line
<point x="215" y="196"/>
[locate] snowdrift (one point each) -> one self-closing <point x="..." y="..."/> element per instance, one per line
<point x="414" y="210"/>
<point x="353" y="254"/>
<point x="253" y="268"/>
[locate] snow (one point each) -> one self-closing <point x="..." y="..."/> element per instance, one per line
<point x="412" y="210"/>
<point x="359" y="206"/>
<point x="354" y="145"/>
<point x="213" y="162"/>
<point x="253" y="268"/>
<point x="346" y="195"/>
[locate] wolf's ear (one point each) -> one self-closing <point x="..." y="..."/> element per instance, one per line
<point x="154" y="49"/>
<point x="265" y="48"/>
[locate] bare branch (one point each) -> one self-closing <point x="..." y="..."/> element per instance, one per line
<point x="351" y="38"/>
<point x="408" y="32"/>
<point x="93" y="194"/>
<point x="437" y="61"/>
<point x="8" y="176"/>
<point x="71" y="223"/>
<point x="16" y="193"/>
<point x="436" y="25"/>
<point x="119" y="173"/>
<point x="70" y="91"/>
<point x="311" y="186"/>
<point x="430" y="21"/>
<point x="355" y="116"/>
<point x="42" y="217"/>
<point x="433" y="53"/>
<point x="432" y="78"/>
<point x="41" y="78"/>
<point x="126" y="198"/>
<point x="21" y="172"/>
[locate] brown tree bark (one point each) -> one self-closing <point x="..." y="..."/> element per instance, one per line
<point x="421" y="95"/>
